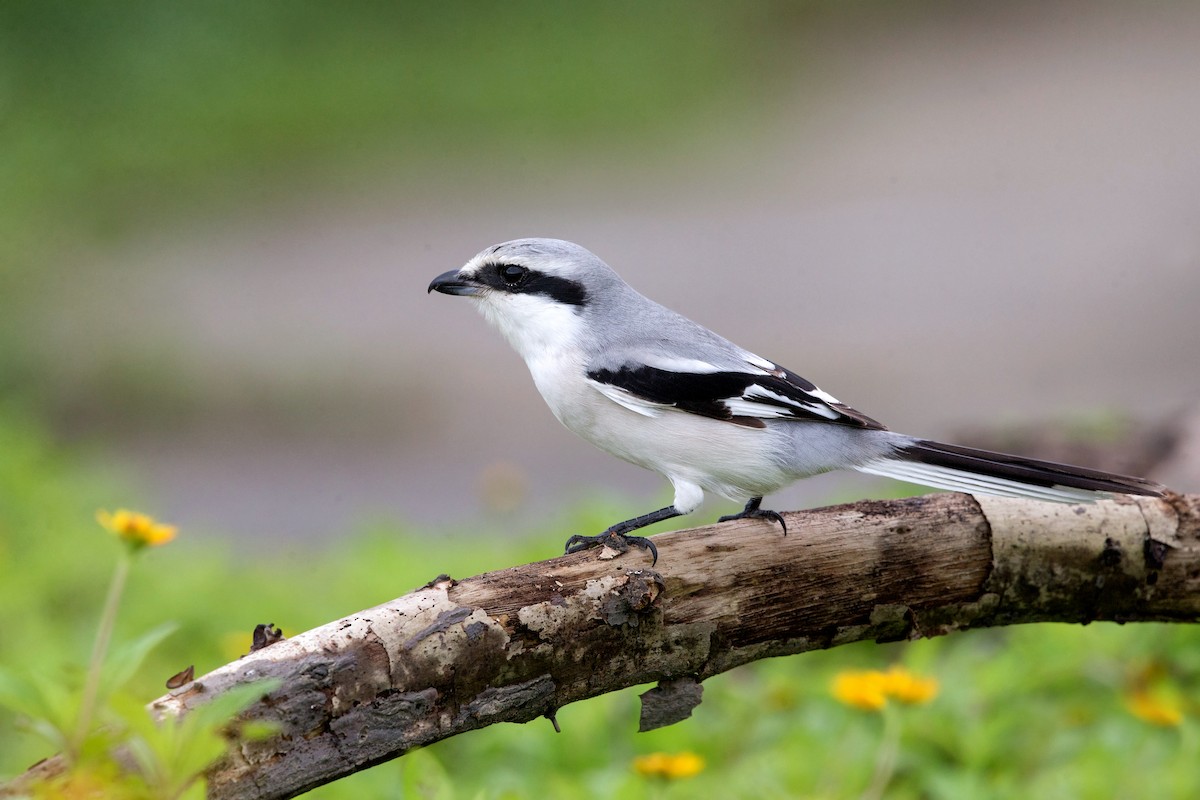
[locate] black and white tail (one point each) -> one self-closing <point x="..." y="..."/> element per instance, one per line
<point x="965" y="469"/>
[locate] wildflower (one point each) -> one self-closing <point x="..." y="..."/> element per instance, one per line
<point x="859" y="689"/>
<point x="902" y="685"/>
<point x="870" y="690"/>
<point x="1154" y="708"/>
<point x="138" y="530"/>
<point x="668" y="766"/>
<point x="1151" y="696"/>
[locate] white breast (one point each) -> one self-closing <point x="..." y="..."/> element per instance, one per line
<point x="734" y="461"/>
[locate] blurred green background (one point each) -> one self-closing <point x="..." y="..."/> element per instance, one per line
<point x="217" y="222"/>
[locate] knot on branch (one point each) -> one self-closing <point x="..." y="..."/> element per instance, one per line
<point x="629" y="602"/>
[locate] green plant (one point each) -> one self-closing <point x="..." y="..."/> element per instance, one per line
<point x="97" y="727"/>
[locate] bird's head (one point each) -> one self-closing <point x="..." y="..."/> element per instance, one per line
<point x="536" y="291"/>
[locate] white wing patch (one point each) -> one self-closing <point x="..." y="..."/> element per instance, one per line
<point x="676" y="364"/>
<point x="742" y="407"/>
<point x="771" y="408"/>
<point x="629" y="400"/>
<point x="771" y="368"/>
<point x="759" y="362"/>
<point x="823" y="395"/>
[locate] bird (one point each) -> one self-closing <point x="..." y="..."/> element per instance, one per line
<point x="656" y="389"/>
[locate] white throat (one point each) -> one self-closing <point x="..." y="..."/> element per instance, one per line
<point x="536" y="327"/>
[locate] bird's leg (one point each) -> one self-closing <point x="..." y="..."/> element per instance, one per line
<point x="752" y="511"/>
<point x="615" y="536"/>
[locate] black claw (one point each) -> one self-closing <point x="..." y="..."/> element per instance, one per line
<point x="645" y="544"/>
<point x="752" y="511"/>
<point x="577" y="543"/>
<point x="611" y="539"/>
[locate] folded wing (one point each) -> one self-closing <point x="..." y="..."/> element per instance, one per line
<point x="750" y="396"/>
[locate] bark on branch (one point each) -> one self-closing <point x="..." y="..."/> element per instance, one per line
<point x="517" y="644"/>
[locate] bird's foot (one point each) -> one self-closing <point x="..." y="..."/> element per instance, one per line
<point x="752" y="511"/>
<point x="612" y="539"/>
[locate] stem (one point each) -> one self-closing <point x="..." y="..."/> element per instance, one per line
<point x="889" y="752"/>
<point x="91" y="686"/>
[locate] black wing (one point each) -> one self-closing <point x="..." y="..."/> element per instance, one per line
<point x="746" y="398"/>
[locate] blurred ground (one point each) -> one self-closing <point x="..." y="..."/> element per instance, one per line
<point x="989" y="218"/>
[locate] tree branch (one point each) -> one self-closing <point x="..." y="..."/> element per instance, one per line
<point x="517" y="644"/>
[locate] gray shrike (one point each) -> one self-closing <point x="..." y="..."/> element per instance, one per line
<point x="655" y="389"/>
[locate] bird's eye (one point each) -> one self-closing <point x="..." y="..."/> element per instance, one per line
<point x="511" y="273"/>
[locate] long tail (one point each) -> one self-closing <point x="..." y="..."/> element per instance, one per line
<point x="965" y="469"/>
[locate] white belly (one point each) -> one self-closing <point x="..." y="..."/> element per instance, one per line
<point x="734" y="461"/>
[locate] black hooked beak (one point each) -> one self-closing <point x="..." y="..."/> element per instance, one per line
<point x="453" y="283"/>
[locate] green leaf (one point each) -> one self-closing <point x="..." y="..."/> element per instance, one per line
<point x="48" y="705"/>
<point x="21" y="694"/>
<point x="125" y="660"/>
<point x="176" y="750"/>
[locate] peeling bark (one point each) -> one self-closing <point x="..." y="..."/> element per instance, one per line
<point x="669" y="702"/>
<point x="519" y="643"/>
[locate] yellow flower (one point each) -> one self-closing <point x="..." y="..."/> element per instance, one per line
<point x="902" y="685"/>
<point x="138" y="530"/>
<point x="860" y="689"/>
<point x="1154" y="708"/>
<point x="668" y="766"/>
<point x="870" y="690"/>
<point x="1152" y="697"/>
